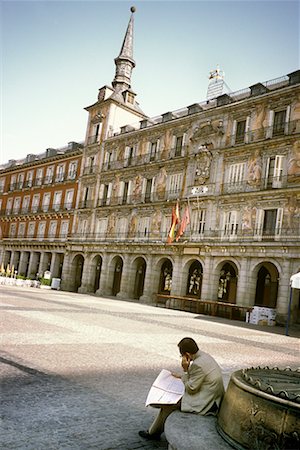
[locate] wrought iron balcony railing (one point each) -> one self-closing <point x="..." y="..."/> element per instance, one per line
<point x="89" y="170"/>
<point x="208" y="237"/>
<point x="38" y="209"/>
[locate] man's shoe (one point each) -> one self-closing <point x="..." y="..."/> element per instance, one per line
<point x="148" y="436"/>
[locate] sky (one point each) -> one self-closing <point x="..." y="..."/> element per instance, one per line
<point x="55" y="55"/>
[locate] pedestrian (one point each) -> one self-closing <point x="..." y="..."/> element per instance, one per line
<point x="203" y="387"/>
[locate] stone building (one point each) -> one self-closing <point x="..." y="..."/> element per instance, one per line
<point x="37" y="198"/>
<point x="230" y="165"/>
<point x="225" y="173"/>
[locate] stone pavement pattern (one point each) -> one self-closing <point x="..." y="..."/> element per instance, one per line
<point x="76" y="369"/>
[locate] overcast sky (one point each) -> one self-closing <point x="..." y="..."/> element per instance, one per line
<point x="57" y="54"/>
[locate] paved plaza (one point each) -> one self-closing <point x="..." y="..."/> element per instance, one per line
<point x="76" y="369"/>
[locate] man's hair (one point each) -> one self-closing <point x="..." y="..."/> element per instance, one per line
<point x="188" y="345"/>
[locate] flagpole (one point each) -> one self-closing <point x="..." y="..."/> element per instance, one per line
<point x="189" y="207"/>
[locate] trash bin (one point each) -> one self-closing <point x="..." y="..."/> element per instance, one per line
<point x="55" y="283"/>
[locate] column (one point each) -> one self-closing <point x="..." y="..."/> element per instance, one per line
<point x="66" y="276"/>
<point x="44" y="263"/>
<point x="210" y="280"/>
<point x="124" y="288"/>
<point x="15" y="259"/>
<point x="177" y="276"/>
<point x="23" y="264"/>
<point x="283" y="294"/>
<point x="33" y="264"/>
<point x="148" y="294"/>
<point x="244" y="292"/>
<point x="86" y="275"/>
<point x="103" y="288"/>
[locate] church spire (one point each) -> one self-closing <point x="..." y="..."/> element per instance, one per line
<point x="125" y="62"/>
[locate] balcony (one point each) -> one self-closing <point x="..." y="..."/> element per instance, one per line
<point x="89" y="170"/>
<point x="208" y="237"/>
<point x="276" y="130"/>
<point x="93" y="139"/>
<point x="278" y="182"/>
<point x="140" y="198"/>
<point x="38" y="210"/>
<point x="86" y="204"/>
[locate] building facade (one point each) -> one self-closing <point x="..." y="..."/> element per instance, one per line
<point x="38" y="197"/>
<point x="225" y="173"/>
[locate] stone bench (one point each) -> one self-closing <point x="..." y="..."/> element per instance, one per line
<point x="186" y="431"/>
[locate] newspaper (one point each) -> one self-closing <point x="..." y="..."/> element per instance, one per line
<point x="166" y="390"/>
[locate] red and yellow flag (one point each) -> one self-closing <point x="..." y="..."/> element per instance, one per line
<point x="175" y="220"/>
<point x="184" y="223"/>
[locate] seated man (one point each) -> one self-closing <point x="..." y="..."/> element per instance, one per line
<point x="204" y="389"/>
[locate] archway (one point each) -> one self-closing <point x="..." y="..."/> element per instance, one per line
<point x="117" y="275"/>
<point x="77" y="268"/>
<point x="194" y="281"/>
<point x="267" y="286"/>
<point x="96" y="272"/>
<point x="227" y="283"/>
<point x="140" y="266"/>
<point x="166" y="273"/>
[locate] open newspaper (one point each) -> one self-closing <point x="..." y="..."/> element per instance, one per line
<point x="166" y="390"/>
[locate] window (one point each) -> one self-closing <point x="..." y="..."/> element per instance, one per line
<point x="125" y="193"/>
<point x="175" y="184"/>
<point x="17" y="204"/>
<point x="52" y="229"/>
<point x="178" y="145"/>
<point x="268" y="224"/>
<point x="279" y="123"/>
<point x="49" y="174"/>
<point x="154" y="150"/>
<point x="236" y="173"/>
<point x="12" y="184"/>
<point x="105" y="191"/>
<point x="9" y="205"/>
<point x="46" y="201"/>
<point x="31" y="229"/>
<point x="274" y="171"/>
<point x="57" y="200"/>
<point x="25" y="204"/>
<point x="2" y="184"/>
<point x="129" y="153"/>
<point x="148" y="193"/>
<point x="143" y="227"/>
<point x="101" y="227"/>
<point x="60" y="172"/>
<point x="64" y="228"/>
<point x="69" y="199"/>
<point x="198" y="221"/>
<point x="29" y="179"/>
<point x="35" y="203"/>
<point x="21" y="229"/>
<point x="240" y="131"/>
<point x="72" y="170"/>
<point x="41" y="229"/>
<point x="39" y="177"/>
<point x="12" y="230"/>
<point x="230" y="225"/>
<point x="20" y="180"/>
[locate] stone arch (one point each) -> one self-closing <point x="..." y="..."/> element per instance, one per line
<point x="76" y="271"/>
<point x="95" y="268"/>
<point x="266" y="291"/>
<point x="227" y="281"/>
<point x="139" y="266"/>
<point x="165" y="267"/>
<point x="192" y="278"/>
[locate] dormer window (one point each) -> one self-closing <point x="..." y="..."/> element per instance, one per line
<point x="130" y="98"/>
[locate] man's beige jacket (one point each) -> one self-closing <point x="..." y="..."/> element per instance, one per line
<point x="203" y="385"/>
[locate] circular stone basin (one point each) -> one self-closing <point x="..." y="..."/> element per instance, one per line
<point x="261" y="409"/>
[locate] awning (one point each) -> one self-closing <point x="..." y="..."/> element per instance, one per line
<point x="295" y="281"/>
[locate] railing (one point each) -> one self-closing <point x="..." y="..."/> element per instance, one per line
<point x="276" y="130"/>
<point x="208" y="237"/>
<point x="86" y="204"/>
<point x="88" y="170"/>
<point x="207" y="307"/>
<point x="38" y="210"/>
<point x="139" y="198"/>
<point x="41" y="181"/>
<point x="93" y="139"/>
<point x="278" y="182"/>
<point x="145" y="159"/>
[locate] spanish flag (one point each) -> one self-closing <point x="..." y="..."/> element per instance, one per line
<point x="175" y="220"/>
<point x="184" y="223"/>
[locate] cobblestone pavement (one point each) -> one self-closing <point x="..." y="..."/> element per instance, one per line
<point x="76" y="369"/>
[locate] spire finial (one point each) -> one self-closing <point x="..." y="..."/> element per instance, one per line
<point x="133" y="9"/>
